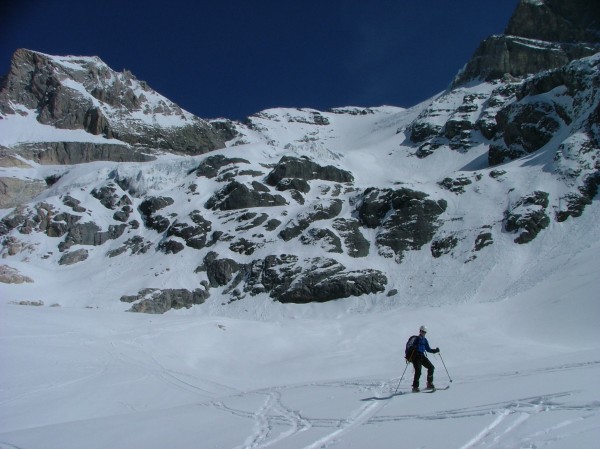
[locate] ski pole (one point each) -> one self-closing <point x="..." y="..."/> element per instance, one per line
<point x="442" y="359"/>
<point x="402" y="377"/>
<point x="407" y="363"/>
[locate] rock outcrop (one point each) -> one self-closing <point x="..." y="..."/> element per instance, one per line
<point x="541" y="35"/>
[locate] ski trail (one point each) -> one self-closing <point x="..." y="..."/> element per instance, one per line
<point x="486" y="431"/>
<point x="272" y="413"/>
<point x="359" y="417"/>
<point x="515" y="415"/>
<point x="4" y="445"/>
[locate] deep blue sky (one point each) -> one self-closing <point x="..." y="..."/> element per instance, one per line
<point x="232" y="58"/>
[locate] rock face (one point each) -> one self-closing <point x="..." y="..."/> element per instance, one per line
<point x="528" y="216"/>
<point x="14" y="191"/>
<point x="158" y="301"/>
<point x="9" y="275"/>
<point x="406" y="219"/>
<point x="541" y="35"/>
<point x="82" y="93"/>
<point x="304" y="169"/>
<point x="290" y="279"/>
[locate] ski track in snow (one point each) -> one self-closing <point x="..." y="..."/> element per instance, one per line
<point x="273" y="413"/>
<point x="509" y="417"/>
<point x="275" y="422"/>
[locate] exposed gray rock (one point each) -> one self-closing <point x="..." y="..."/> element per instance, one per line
<point x="245" y="246"/>
<point x="272" y="224"/>
<point x="196" y="235"/>
<point x="323" y="210"/>
<point x="8" y="159"/>
<point x="575" y="203"/>
<point x="211" y="166"/>
<point x="239" y="196"/>
<point x="527" y="216"/>
<point x="11" y="246"/>
<point x="301" y="168"/>
<point x="540" y="36"/>
<point x="526" y="128"/>
<point x="73" y="257"/>
<point x="10" y="275"/>
<point x="68" y="153"/>
<point x="422" y="129"/>
<point x="73" y="203"/>
<point x="444" y="245"/>
<point x="357" y="245"/>
<point x="288" y="279"/>
<point x="219" y="271"/>
<point x="148" y="209"/>
<point x="171" y="246"/>
<point x="293" y="184"/>
<point x="407" y="219"/>
<point x="456" y="185"/>
<point x="325" y="238"/>
<point x="37" y="82"/>
<point x="250" y="220"/>
<point x="136" y="245"/>
<point x="158" y="301"/>
<point x="106" y="195"/>
<point x="530" y="121"/>
<point x="483" y="239"/>
<point x="556" y="21"/>
<point x="90" y="234"/>
<point x="15" y="191"/>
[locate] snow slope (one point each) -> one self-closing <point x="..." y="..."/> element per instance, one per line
<point x="524" y="372"/>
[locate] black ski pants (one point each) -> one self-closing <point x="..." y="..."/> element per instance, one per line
<point x="418" y="361"/>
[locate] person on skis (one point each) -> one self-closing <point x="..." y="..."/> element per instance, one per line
<point x="419" y="359"/>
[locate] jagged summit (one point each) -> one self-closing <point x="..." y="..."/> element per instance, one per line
<point x="83" y="93"/>
<point x="541" y="35"/>
<point x="561" y="21"/>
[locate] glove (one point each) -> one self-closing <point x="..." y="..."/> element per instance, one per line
<point x="436" y="350"/>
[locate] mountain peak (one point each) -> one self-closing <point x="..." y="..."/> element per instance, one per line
<point x="560" y="21"/>
<point x="541" y="35"/>
<point x="82" y="93"/>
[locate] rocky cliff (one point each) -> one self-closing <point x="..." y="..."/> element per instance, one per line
<point x="541" y="35"/>
<point x="83" y="93"/>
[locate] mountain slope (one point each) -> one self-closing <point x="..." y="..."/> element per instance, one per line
<point x="382" y="206"/>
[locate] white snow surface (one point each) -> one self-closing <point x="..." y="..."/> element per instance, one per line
<point x="518" y="329"/>
<point x="524" y="375"/>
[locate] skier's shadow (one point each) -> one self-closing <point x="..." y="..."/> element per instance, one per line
<point x="382" y="398"/>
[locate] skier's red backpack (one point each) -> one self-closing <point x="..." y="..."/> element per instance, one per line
<point x="411" y="347"/>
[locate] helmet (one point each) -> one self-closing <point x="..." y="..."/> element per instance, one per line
<point x="423" y="328"/>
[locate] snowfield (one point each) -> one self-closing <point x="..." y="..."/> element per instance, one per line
<point x="517" y="324"/>
<point x="524" y="374"/>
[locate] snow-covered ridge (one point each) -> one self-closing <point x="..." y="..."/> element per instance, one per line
<point x="84" y="94"/>
<point x="148" y="106"/>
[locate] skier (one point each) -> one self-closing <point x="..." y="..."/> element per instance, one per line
<point x="419" y="359"/>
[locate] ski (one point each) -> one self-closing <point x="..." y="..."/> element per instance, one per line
<point x="433" y="390"/>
